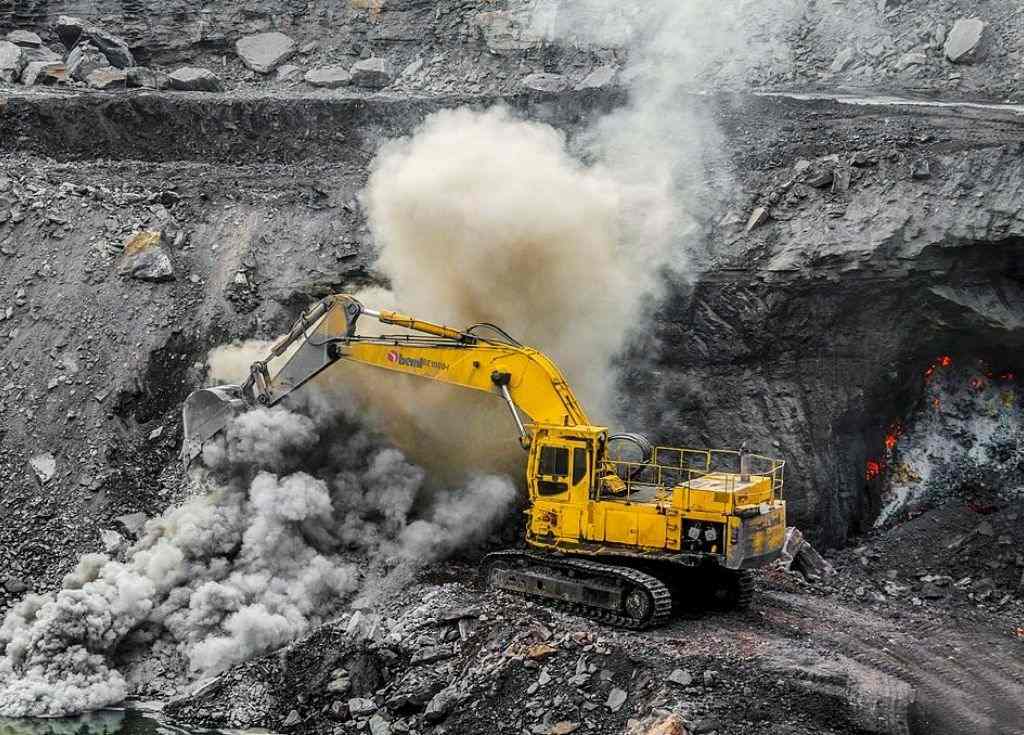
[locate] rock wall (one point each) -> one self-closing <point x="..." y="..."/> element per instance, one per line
<point x="482" y="45"/>
<point x="883" y="246"/>
<point x="816" y="334"/>
<point x="886" y="234"/>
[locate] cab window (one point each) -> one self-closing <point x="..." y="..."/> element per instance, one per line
<point x="579" y="465"/>
<point x="554" y="461"/>
<point x="553" y="464"/>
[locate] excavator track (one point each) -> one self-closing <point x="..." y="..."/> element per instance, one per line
<point x="745" y="584"/>
<point x="614" y="595"/>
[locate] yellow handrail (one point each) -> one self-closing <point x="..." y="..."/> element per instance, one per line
<point x="675" y="466"/>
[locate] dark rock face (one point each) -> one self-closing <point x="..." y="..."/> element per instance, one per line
<point x="817" y="333"/>
<point x="803" y="336"/>
<point x="73" y="32"/>
<point x="113" y="47"/>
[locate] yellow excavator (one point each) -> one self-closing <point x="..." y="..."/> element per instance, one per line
<point x="617" y="530"/>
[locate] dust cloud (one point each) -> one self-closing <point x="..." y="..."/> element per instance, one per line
<point x="482" y="217"/>
<point x="298" y="515"/>
<point x="230" y="363"/>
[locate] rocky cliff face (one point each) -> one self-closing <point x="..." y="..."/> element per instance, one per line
<point x="841" y="246"/>
<point x="814" y="333"/>
<point x="821" y="336"/>
<point x="881" y="246"/>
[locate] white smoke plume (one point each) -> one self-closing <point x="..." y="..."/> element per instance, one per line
<point x="230" y="363"/>
<point x="268" y="552"/>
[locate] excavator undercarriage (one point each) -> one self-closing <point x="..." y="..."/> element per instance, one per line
<point x="618" y="530"/>
<point x="615" y="595"/>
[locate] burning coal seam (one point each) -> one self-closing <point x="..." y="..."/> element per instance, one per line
<point x="967" y="434"/>
<point x="299" y="516"/>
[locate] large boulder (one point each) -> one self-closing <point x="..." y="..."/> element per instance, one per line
<point x="195" y="79"/>
<point x="83" y="60"/>
<point x="264" y="52"/>
<point x="329" y="77"/>
<point x="544" y="82"/>
<point x="375" y="73"/>
<point x="41" y="53"/>
<point x="12" y="62"/>
<point x="25" y="39"/>
<point x="963" y="40"/>
<point x="144" y="259"/>
<point x="113" y="47"/>
<point x="141" y="76"/>
<point x="43" y="72"/>
<point x="109" y="77"/>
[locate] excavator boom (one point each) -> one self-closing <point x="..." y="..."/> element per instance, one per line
<point x="326" y="335"/>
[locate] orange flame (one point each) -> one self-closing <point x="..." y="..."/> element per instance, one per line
<point x="872" y="470"/>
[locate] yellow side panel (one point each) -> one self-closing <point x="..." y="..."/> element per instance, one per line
<point x="568" y="522"/>
<point x="673" y="531"/>
<point x="651" y="530"/>
<point x="620" y="526"/>
<point x="758" y="492"/>
<point x="708" y="501"/>
<point x="560" y="519"/>
<point x="540" y="521"/>
<point x="595" y="522"/>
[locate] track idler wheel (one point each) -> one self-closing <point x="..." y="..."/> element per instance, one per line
<point x="638" y="606"/>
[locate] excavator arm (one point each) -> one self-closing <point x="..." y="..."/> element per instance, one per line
<point x="326" y="335"/>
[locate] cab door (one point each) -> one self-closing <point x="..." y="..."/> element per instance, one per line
<point x="562" y="488"/>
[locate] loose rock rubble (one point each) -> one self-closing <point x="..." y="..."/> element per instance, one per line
<point x="443" y="664"/>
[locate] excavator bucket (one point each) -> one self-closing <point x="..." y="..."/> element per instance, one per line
<point x="206" y="413"/>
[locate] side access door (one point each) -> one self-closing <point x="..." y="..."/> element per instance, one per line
<point x="561" y="488"/>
